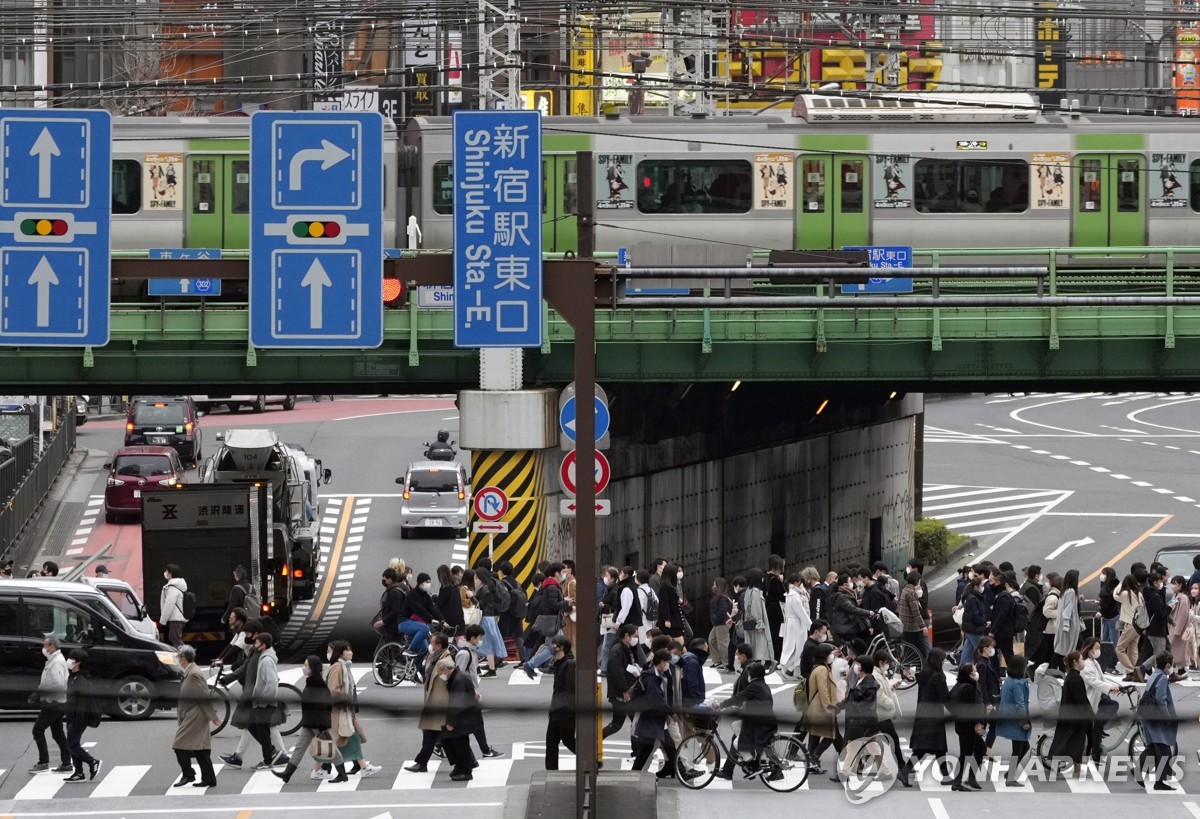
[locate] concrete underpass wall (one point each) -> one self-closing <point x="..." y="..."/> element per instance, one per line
<point x="814" y="501"/>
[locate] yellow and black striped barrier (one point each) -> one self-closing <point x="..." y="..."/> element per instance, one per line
<point x="519" y="473"/>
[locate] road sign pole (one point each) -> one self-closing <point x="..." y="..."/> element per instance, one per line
<point x="491" y="543"/>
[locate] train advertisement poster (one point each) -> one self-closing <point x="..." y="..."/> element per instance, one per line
<point x="893" y="175"/>
<point x="614" y="173"/>
<point x="774" y="175"/>
<point x="163" y="189"/>
<point x="1050" y="181"/>
<point x="1165" y="192"/>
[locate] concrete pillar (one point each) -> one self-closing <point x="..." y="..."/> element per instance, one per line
<point x="506" y="431"/>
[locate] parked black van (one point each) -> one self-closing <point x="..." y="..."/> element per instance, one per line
<point x="137" y="673"/>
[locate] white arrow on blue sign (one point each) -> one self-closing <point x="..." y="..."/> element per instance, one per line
<point x="184" y="287"/>
<point x="566" y="418"/>
<point x="55" y="207"/>
<point x="316" y="229"/>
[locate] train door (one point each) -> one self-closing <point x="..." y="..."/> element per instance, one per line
<point x="559" y="203"/>
<point x="218" y="201"/>
<point x="1110" y="202"/>
<point x="831" y="211"/>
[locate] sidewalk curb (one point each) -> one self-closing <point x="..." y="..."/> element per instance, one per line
<point x="32" y="542"/>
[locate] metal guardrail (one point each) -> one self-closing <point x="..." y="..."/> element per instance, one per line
<point x="32" y="478"/>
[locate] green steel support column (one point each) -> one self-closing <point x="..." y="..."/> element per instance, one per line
<point x="1052" y="264"/>
<point x="1169" y="339"/>
<point x="89" y="358"/>
<point x="936" y="341"/>
<point x="251" y="356"/>
<point x="821" y="345"/>
<point x="414" y="354"/>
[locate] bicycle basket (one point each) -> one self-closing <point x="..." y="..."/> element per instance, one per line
<point x="705" y="720"/>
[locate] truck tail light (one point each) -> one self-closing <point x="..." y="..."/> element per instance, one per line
<point x="298" y="573"/>
<point x="188" y="427"/>
<point x="284" y="570"/>
<point x="129" y="427"/>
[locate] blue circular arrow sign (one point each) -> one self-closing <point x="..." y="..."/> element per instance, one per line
<point x="567" y="418"/>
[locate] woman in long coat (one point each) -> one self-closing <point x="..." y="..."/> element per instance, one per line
<point x="432" y="721"/>
<point x="796" y="622"/>
<point x="966" y="705"/>
<point x="1161" y="731"/>
<point x="929" y="724"/>
<point x="820" y="718"/>
<point x="756" y="612"/>
<point x="1075" y="714"/>
<point x="346" y="730"/>
<point x="1067" y="623"/>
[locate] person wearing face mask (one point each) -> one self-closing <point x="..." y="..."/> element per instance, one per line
<point x="1075" y="715"/>
<point x="1193" y="635"/>
<point x="346" y="730"/>
<point x="758" y="717"/>
<point x="795" y="624"/>
<point x="419" y="614"/>
<point x="847" y="620"/>
<point x="650" y="728"/>
<point x="690" y="669"/>
<point x="463" y="717"/>
<point x="560" y="727"/>
<point x="391" y="603"/>
<point x="1067" y="621"/>
<point x="1179" y="623"/>
<point x="967" y="709"/>
<point x="609" y="603"/>
<point x="929" y="723"/>
<point x="755" y="622"/>
<point x="818" y="633"/>
<point x="775" y="591"/>
<point x="193" y="716"/>
<point x="820" y="717"/>
<point x="987" y="679"/>
<point x="83" y="712"/>
<point x="670" y="614"/>
<point x="888" y="710"/>
<point x="568" y="588"/>
<point x="51" y="699"/>
<point x="170" y="605"/>
<point x="1098" y="690"/>
<point x="316" y="708"/>
<point x="247" y="675"/>
<point x="433" y="717"/>
<point x="720" y="614"/>
<point x="1015" y="722"/>
<point x="622" y="675"/>
<point x="552" y="605"/>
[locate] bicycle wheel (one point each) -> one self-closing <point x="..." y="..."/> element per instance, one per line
<point x="1137" y="744"/>
<point x="908" y="663"/>
<point x="289" y="705"/>
<point x="388" y="665"/>
<point x="1042" y="749"/>
<point x="222" y="702"/>
<point x="787" y="764"/>
<point x="697" y="761"/>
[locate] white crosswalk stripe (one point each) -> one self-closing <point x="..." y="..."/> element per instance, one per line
<point x="977" y="510"/>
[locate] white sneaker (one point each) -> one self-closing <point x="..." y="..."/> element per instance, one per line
<point x="369" y="770"/>
<point x="320" y="775"/>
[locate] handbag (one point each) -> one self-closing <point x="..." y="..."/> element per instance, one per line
<point x="957" y="616"/>
<point x="547" y="624"/>
<point x="473" y="616"/>
<point x="607" y="622"/>
<point x="323" y="748"/>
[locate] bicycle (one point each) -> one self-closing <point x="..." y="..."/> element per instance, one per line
<point x="394" y="662"/>
<point x="288" y="696"/>
<point x="782" y="765"/>
<point x="1123" y="729"/>
<point x="906" y="659"/>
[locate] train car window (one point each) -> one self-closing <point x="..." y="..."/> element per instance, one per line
<point x="694" y="186"/>
<point x="126" y="186"/>
<point x="814" y="185"/>
<point x="570" y="187"/>
<point x="443" y="187"/>
<point x="851" y="171"/>
<point x="1091" y="185"/>
<point x="1194" y="185"/>
<point x="1128" y="193"/>
<point x="241" y="186"/>
<point x="204" y="186"/>
<point x="971" y="186"/>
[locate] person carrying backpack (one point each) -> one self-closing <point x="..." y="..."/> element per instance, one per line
<point x="648" y="600"/>
<point x="1008" y="612"/>
<point x="83" y="712"/>
<point x="512" y="619"/>
<point x="173" y="605"/>
<point x="242" y="595"/>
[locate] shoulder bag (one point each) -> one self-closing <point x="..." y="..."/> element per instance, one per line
<point x="323" y="748"/>
<point x="473" y="616"/>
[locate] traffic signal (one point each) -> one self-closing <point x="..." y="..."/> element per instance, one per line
<point x="393" y="291"/>
<point x="44" y="227"/>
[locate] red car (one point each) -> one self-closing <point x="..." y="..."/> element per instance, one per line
<point x="133" y="469"/>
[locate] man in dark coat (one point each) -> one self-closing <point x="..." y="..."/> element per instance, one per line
<point x="860" y="701"/>
<point x="561" y="725"/>
<point x="621" y="678"/>
<point x="463" y="718"/>
<point x="758" y="716"/>
<point x="774" y="592"/>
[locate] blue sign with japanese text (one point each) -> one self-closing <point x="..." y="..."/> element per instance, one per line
<point x="316" y="229"/>
<point x="893" y="257"/>
<point x="498" y="229"/>
<point x="184" y="287"/>
<point x="55" y="210"/>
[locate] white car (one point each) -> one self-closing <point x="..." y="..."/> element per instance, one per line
<point x="122" y="595"/>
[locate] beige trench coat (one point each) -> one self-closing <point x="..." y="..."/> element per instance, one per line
<point x="195" y="712"/>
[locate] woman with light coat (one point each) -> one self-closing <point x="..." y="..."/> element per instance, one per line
<point x="1098" y="689"/>
<point x="796" y="623"/>
<point x="888" y="712"/>
<point x="1067" y="622"/>
<point x="820" y="718"/>
<point x="345" y="729"/>
<point x="756" y="613"/>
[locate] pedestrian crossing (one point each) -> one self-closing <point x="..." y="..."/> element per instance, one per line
<point x="938" y="435"/>
<point x="976" y="511"/>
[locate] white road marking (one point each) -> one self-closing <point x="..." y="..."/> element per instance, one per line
<point x="408" y="781"/>
<point x="1016" y="414"/>
<point x="940" y="506"/>
<point x="121" y="780"/>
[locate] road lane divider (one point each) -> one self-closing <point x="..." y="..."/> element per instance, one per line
<point x="1117" y="557"/>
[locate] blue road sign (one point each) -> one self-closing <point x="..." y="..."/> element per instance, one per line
<point x="184" y="287"/>
<point x="566" y="418"/>
<point x="498" y="228"/>
<point x="55" y="205"/>
<point x="316" y="229"/>
<point x="894" y="257"/>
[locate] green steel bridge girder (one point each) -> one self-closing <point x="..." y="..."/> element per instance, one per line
<point x="151" y="347"/>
